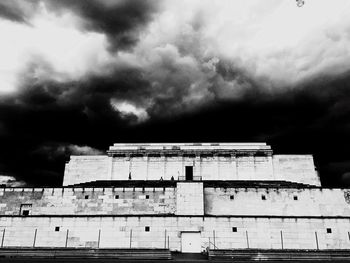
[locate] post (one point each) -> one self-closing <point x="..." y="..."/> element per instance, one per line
<point x="35" y="237"/>
<point x="130" y="237"/>
<point x="99" y="238"/>
<point x="316" y="240"/>
<point x="3" y="238"/>
<point x="67" y="237"/>
<point x="214" y="239"/>
<point x="246" y="234"/>
<point x="165" y="238"/>
<point x="168" y="242"/>
<point x="281" y="239"/>
<point x="348" y="235"/>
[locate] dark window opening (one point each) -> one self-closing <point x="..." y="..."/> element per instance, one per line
<point x="295" y="197"/>
<point x="86" y="197"/>
<point x="25" y="209"/>
<point x="25" y="212"/>
<point x="57" y="228"/>
<point x="117" y="197"/>
<point x="329" y="230"/>
<point x="232" y="197"/>
<point x="147" y="228"/>
<point x="189" y="173"/>
<point x="234" y="229"/>
<point x="263" y="197"/>
<point x="147" y="196"/>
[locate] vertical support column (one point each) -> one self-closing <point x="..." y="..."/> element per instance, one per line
<point x="130" y="237"/>
<point x="3" y="238"/>
<point x="35" y="237"/>
<point x="217" y="160"/>
<point x="214" y="239"/>
<point x="67" y="238"/>
<point x="99" y="238"/>
<point x="165" y="238"/>
<point x="316" y="241"/>
<point x="111" y="167"/>
<point x="246" y="234"/>
<point x="189" y="198"/>
<point x="147" y="167"/>
<point x="282" y="240"/>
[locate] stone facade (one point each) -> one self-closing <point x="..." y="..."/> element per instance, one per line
<point x="227" y="195"/>
<point x="230" y="161"/>
<point x="165" y="231"/>
<point x="185" y="198"/>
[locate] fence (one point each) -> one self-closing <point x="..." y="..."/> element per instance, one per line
<point x="166" y="240"/>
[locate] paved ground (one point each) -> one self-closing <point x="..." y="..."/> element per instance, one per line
<point x="138" y="261"/>
<point x="195" y="258"/>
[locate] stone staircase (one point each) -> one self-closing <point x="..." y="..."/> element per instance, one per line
<point x="88" y="253"/>
<point x="278" y="255"/>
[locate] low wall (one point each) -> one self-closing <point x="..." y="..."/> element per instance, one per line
<point x="88" y="201"/>
<point x="165" y="231"/>
<point x="278" y="202"/>
<point x="188" y="198"/>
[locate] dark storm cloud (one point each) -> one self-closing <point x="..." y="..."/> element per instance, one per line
<point x="193" y="76"/>
<point x="10" y="10"/>
<point x="48" y="121"/>
<point x="120" y="20"/>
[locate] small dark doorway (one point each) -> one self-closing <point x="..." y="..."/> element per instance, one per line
<point x="189" y="173"/>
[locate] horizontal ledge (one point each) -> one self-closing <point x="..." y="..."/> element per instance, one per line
<point x="180" y="216"/>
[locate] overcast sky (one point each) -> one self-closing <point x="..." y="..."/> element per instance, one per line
<point x="78" y="76"/>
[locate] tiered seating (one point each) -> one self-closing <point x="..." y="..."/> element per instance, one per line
<point x="142" y="254"/>
<point x="278" y="255"/>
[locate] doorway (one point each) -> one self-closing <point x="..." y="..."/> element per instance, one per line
<point x="189" y="173"/>
<point x="191" y="242"/>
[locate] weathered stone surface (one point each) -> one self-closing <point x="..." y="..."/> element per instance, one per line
<point x="230" y="161"/>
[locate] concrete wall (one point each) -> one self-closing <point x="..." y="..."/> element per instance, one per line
<point x="187" y="199"/>
<point x="249" y="201"/>
<point x="86" y="168"/>
<point x="100" y="201"/>
<point x="294" y="168"/>
<point x="297" y="233"/>
<point x="297" y="168"/>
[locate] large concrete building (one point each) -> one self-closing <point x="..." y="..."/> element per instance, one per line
<point x="185" y="197"/>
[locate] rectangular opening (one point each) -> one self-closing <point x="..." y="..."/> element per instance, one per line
<point x="232" y="197"/>
<point x="329" y="230"/>
<point x="147" y="228"/>
<point x="234" y="229"/>
<point x="86" y="197"/>
<point x="25" y="209"/>
<point x="25" y="213"/>
<point x="189" y="173"/>
<point x="117" y="197"/>
<point x="57" y="228"/>
<point x="147" y="196"/>
<point x="263" y="197"/>
<point x="191" y="242"/>
<point x="295" y="198"/>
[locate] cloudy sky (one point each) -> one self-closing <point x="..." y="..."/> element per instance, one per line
<point x="78" y="76"/>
